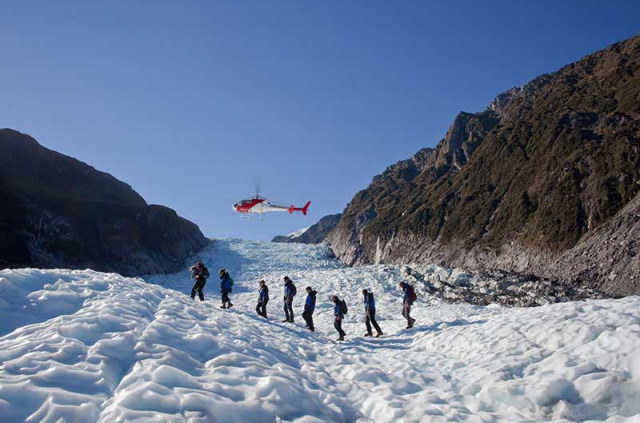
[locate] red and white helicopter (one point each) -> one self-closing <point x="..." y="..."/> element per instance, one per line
<point x="261" y="205"/>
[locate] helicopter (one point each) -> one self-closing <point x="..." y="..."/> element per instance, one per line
<point x="261" y="205"/>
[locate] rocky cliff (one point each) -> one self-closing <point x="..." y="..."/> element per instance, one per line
<point x="542" y="182"/>
<point x="56" y="211"/>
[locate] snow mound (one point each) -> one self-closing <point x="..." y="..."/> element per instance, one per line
<point x="83" y="346"/>
<point x="298" y="232"/>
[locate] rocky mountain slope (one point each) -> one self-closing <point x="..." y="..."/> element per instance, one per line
<point x="543" y="182"/>
<point x="59" y="212"/>
<point x="315" y="234"/>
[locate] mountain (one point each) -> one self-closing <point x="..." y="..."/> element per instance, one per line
<point x="536" y="184"/>
<point x="315" y="234"/>
<point x="59" y="212"/>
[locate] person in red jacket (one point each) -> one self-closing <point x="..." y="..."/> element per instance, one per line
<point x="407" y="301"/>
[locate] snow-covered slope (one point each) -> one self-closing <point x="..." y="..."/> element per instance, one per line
<point x="82" y="346"/>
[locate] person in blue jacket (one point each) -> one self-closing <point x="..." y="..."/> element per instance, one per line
<point x="289" y="292"/>
<point x="263" y="299"/>
<point x="370" y="313"/>
<point x="309" y="307"/>
<point x="225" y="287"/>
<point x="338" y="316"/>
<point x="407" y="302"/>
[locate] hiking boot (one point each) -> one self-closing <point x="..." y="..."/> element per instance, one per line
<point x="223" y="306"/>
<point x="285" y="321"/>
<point x="340" y="339"/>
<point x="413" y="321"/>
<point x="230" y="305"/>
<point x="368" y="334"/>
<point x="378" y="335"/>
<point x="312" y="329"/>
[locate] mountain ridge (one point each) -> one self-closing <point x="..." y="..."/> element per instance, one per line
<point x="60" y="212"/>
<point x="516" y="186"/>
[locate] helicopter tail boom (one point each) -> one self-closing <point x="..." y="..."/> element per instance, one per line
<point x="300" y="209"/>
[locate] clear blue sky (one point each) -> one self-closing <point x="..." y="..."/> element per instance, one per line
<point x="190" y="101"/>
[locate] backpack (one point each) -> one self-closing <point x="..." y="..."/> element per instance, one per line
<point x="371" y="302"/>
<point x="343" y="307"/>
<point x="412" y="294"/>
<point x="294" y="291"/>
<point x="229" y="282"/>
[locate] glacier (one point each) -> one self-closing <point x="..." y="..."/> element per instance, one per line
<point x="85" y="346"/>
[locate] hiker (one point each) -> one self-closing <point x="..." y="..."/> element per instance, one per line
<point x="407" y="301"/>
<point x="370" y="313"/>
<point x="309" y="307"/>
<point x="339" y="310"/>
<point x="263" y="299"/>
<point x="225" y="287"/>
<point x="289" y="292"/>
<point x="200" y="273"/>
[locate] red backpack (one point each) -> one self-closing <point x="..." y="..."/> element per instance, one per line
<point x="412" y="294"/>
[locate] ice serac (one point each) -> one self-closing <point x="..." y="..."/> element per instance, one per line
<point x="315" y="234"/>
<point x="59" y="212"/>
<point x="534" y="184"/>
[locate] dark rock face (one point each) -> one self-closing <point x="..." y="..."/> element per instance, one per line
<point x="59" y="212"/>
<point x="315" y="234"/>
<point x="608" y="257"/>
<point x="527" y="186"/>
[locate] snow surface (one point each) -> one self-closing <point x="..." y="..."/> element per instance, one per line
<point x="83" y="346"/>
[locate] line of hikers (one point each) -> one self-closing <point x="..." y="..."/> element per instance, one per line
<point x="200" y="273"/>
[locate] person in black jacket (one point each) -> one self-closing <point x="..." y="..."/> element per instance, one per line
<point x="309" y="307"/>
<point x="200" y="273"/>
<point x="263" y="299"/>
<point x="370" y="313"/>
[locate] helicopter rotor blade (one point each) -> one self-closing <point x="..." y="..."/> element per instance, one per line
<point x="257" y="181"/>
